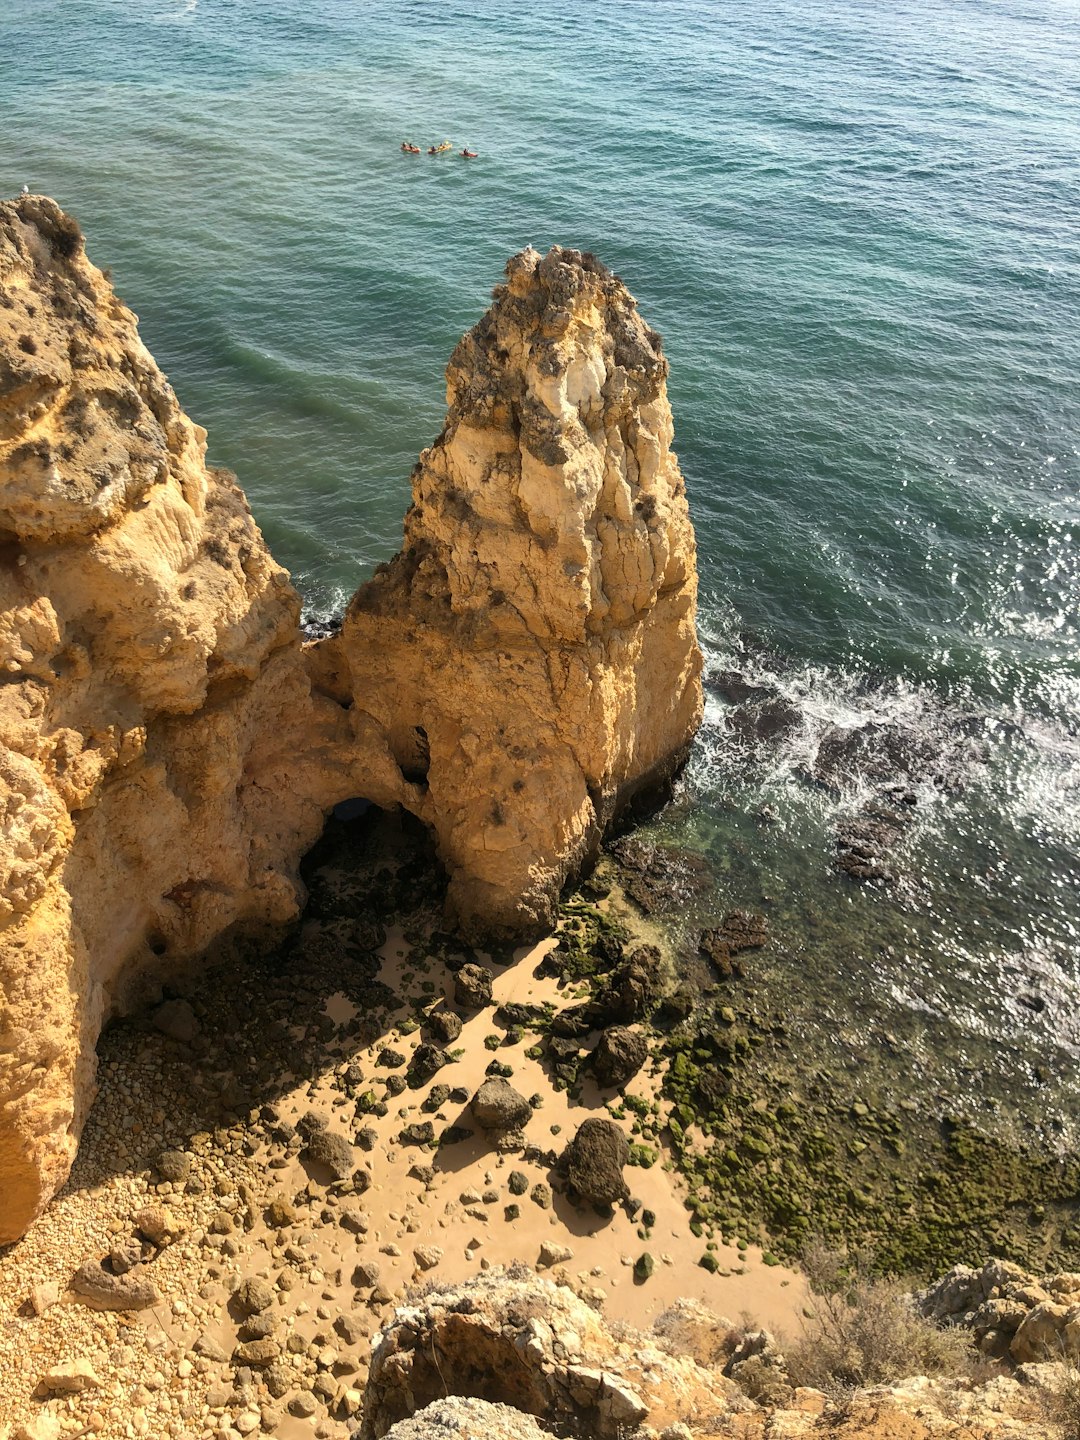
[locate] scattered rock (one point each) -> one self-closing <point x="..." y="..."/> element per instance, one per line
<point x="427" y="1256"/>
<point x="114" y="1292"/>
<point x="366" y="1274"/>
<point x="498" y="1106"/>
<point x="518" y="1183"/>
<point x="253" y="1295"/>
<point x="43" y="1295"/>
<point x="174" y="1166"/>
<point x="303" y="1405"/>
<point x="157" y="1225"/>
<point x="473" y="987"/>
<point x="426" y="1062"/>
<point x="279" y="1211"/>
<point x="326" y="1147"/>
<point x="259" y="1353"/>
<point x="553" y="1254"/>
<point x="619" y="1055"/>
<point x="444" y="1025"/>
<point x="70" y="1378"/>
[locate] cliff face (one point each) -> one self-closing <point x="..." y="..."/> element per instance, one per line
<point x="161" y="755"/>
<point x="168" y="749"/>
<point x="530" y="654"/>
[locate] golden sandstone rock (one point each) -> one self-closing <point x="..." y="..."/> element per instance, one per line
<point x="169" y="748"/>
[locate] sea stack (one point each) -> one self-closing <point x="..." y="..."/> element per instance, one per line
<point x="169" y="747"/>
<point x="530" y="655"/>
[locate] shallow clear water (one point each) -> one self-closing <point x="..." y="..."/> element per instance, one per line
<point x="856" y="227"/>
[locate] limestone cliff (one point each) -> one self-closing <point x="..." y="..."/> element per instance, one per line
<point x="168" y="747"/>
<point x="161" y="754"/>
<point x="530" y="655"/>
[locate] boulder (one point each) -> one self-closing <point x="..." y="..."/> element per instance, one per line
<point x="514" y="1339"/>
<point x="593" y="1162"/>
<point x="472" y="987"/>
<point x="498" y="1106"/>
<point x="619" y="1055"/>
<point x="458" y="1417"/>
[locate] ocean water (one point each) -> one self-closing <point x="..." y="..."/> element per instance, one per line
<point x="856" y="227"/>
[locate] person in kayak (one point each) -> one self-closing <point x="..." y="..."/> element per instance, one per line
<point x="469" y="154"/>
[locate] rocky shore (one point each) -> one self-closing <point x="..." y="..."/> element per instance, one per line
<point x="383" y="1127"/>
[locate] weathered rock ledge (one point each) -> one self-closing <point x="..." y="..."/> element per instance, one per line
<point x="169" y="747"/>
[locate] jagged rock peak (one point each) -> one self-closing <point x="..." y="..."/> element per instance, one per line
<point x="558" y="438"/>
<point x="89" y="423"/>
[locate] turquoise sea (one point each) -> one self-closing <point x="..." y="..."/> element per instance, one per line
<point x="857" y="227"/>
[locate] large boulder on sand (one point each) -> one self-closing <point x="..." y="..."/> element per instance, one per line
<point x="498" y="1106"/>
<point x="594" y="1160"/>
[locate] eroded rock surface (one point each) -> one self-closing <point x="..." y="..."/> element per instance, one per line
<point x="516" y="1340"/>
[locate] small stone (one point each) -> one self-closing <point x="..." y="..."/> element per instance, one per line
<point x="540" y="1195"/>
<point x="552" y="1254"/>
<point x="259" y="1353"/>
<point x="174" y="1165"/>
<point x="518" y="1183"/>
<point x="303" y="1405"/>
<point x="70" y="1378"/>
<point x="644" y="1266"/>
<point x="390" y="1057"/>
<point x="427" y="1256"/>
<point x="156" y="1224"/>
<point x="43" y="1295"/>
<point x="368" y="1138"/>
<point x="253" y="1295"/>
<point x="248" y="1421"/>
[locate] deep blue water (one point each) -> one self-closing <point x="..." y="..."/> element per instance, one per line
<point x="857" y="228"/>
